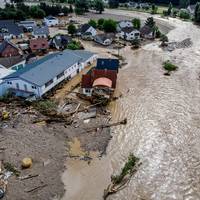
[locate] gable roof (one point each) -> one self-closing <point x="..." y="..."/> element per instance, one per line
<point x="61" y="40"/>
<point x="50" y="17"/>
<point x="84" y="28"/>
<point x="8" y="62"/>
<point x="45" y="69"/>
<point x="41" y="30"/>
<point x="110" y="64"/>
<point x="102" y="37"/>
<point x="6" y="43"/>
<point x="128" y="30"/>
<point x="12" y="28"/>
<point x="39" y="43"/>
<point x="145" y="30"/>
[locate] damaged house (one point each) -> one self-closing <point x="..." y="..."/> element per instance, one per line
<point x="101" y="79"/>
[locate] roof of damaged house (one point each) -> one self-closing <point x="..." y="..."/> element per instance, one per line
<point x="48" y="67"/>
<point x="41" y="30"/>
<point x="104" y="36"/>
<point x="145" y="30"/>
<point x="6" y="43"/>
<point x="110" y="64"/>
<point x="8" y="62"/>
<point x="11" y="27"/>
<point x="39" y="43"/>
<point x="106" y="82"/>
<point x="84" y="28"/>
<point x="61" y="40"/>
<point x="88" y="79"/>
<point x="129" y="30"/>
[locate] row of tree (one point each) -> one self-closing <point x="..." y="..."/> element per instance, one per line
<point x="20" y="11"/>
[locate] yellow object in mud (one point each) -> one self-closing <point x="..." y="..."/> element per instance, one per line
<point x="27" y="162"/>
<point x="5" y="115"/>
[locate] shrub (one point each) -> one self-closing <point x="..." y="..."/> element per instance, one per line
<point x="92" y="23"/>
<point x="109" y="25"/>
<point x="75" y="45"/>
<point x="167" y="65"/>
<point x="184" y="14"/>
<point x="45" y="106"/>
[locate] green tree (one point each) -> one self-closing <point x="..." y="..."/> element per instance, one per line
<point x="100" y="23"/>
<point x="36" y="12"/>
<point x="92" y="23"/>
<point x="163" y="39"/>
<point x="99" y="6"/>
<point x="197" y="13"/>
<point x="113" y="3"/>
<point x="150" y="22"/>
<point x="184" y="14"/>
<point x="136" y="43"/>
<point x="154" y="9"/>
<point x="136" y="23"/>
<point x="71" y="10"/>
<point x="71" y="29"/>
<point x="184" y="3"/>
<point x="109" y="26"/>
<point x="81" y="6"/>
<point x="170" y="8"/>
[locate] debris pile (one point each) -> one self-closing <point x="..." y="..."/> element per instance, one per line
<point x="186" y="43"/>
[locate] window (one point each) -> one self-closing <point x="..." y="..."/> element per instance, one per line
<point x="9" y="83"/>
<point x="60" y="75"/>
<point x="49" y="83"/>
<point x="17" y="86"/>
<point x="33" y="87"/>
<point x="25" y="87"/>
<point x="43" y="45"/>
<point x="87" y="90"/>
<point x="35" y="45"/>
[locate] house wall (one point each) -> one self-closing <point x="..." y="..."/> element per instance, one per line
<point x="92" y="31"/>
<point x="52" y="22"/>
<point x="87" y="91"/>
<point x="40" y="36"/>
<point x="22" y="85"/>
<point x="124" y="24"/>
<point x="130" y="36"/>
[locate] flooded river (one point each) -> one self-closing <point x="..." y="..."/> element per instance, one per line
<point x="163" y="128"/>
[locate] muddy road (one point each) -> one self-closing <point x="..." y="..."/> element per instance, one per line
<point x="163" y="127"/>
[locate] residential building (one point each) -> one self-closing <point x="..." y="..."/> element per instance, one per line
<point x="27" y="25"/>
<point x="98" y="78"/>
<point x="60" y="41"/>
<point x="124" y="24"/>
<point x="42" y="75"/>
<point x="129" y="33"/>
<point x="9" y="29"/>
<point x="104" y="39"/>
<point x="8" y="49"/>
<point x="86" y="30"/>
<point x="40" y="31"/>
<point x="3" y="73"/>
<point x="39" y="45"/>
<point x="107" y="64"/>
<point x="51" y="21"/>
<point x="147" y="32"/>
<point x="13" y="62"/>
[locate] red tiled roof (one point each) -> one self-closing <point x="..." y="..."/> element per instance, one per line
<point x="106" y="82"/>
<point x="39" y="44"/>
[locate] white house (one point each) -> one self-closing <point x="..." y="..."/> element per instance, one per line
<point x="3" y="73"/>
<point x="104" y="39"/>
<point x="129" y="33"/>
<point x="86" y="30"/>
<point x="40" y="31"/>
<point x="51" y="21"/>
<point x="124" y="24"/>
<point x="41" y="76"/>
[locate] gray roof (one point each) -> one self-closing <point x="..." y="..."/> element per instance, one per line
<point x="12" y="28"/>
<point x="10" y="61"/>
<point x="40" y="30"/>
<point x="45" y="69"/>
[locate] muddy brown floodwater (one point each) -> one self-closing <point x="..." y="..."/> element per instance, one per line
<point x="163" y="127"/>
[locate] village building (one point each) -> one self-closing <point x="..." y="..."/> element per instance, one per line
<point x="39" y="77"/>
<point x="8" y="49"/>
<point x="10" y="30"/>
<point x="40" y="31"/>
<point x="51" y="21"/>
<point x="104" y="39"/>
<point x="86" y="31"/>
<point x="147" y="32"/>
<point x="124" y="24"/>
<point x="27" y="25"/>
<point x="39" y="45"/>
<point x="60" y="41"/>
<point x="13" y="62"/>
<point x="129" y="33"/>
<point x="103" y="76"/>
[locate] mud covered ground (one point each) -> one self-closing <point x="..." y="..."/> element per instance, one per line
<point x="47" y="145"/>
